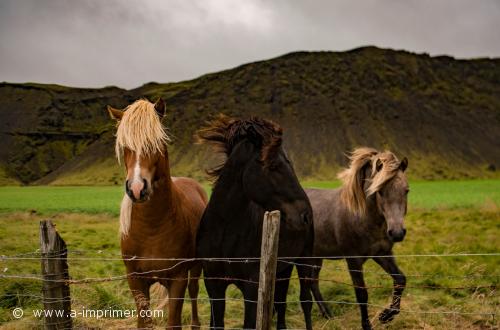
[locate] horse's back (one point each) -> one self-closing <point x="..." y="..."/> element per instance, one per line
<point x="324" y="202"/>
<point x="192" y="189"/>
<point x="326" y="208"/>
<point x="195" y="200"/>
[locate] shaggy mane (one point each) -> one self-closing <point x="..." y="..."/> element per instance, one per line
<point x="140" y="130"/>
<point x="352" y="194"/>
<point x="125" y="215"/>
<point x="224" y="133"/>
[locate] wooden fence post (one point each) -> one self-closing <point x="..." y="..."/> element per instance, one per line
<point x="268" y="261"/>
<point x="56" y="295"/>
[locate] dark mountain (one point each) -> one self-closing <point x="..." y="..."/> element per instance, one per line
<point x="442" y="113"/>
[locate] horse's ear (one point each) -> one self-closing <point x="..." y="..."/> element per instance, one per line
<point x="404" y="164"/>
<point x="160" y="107"/>
<point x="115" y="113"/>
<point x="378" y="165"/>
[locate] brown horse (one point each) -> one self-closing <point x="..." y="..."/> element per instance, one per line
<point x="159" y="214"/>
<point x="360" y="220"/>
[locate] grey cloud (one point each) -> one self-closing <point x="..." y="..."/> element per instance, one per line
<point x="128" y="43"/>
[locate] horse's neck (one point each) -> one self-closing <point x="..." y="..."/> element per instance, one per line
<point x="229" y="189"/>
<point x="230" y="195"/>
<point x="163" y="169"/>
<point x="374" y="219"/>
<point x="230" y="201"/>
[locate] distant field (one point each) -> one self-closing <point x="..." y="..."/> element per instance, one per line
<point x="423" y="195"/>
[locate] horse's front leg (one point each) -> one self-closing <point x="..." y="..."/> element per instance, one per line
<point x="280" y="291"/>
<point x="140" y="291"/>
<point x="356" y="271"/>
<point x="305" y="272"/>
<point x="176" y="291"/>
<point x="216" y="290"/>
<point x="250" y="294"/>
<point x="399" y="279"/>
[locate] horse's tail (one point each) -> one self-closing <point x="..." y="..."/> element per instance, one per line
<point x="159" y="297"/>
<point x="193" y="289"/>
<point x="159" y="293"/>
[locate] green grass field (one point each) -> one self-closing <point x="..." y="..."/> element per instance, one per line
<point x="444" y="218"/>
<point x="424" y="195"/>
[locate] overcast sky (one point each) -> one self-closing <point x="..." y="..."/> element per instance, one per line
<point x="94" y="43"/>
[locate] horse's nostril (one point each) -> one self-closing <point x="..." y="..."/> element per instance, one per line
<point x="128" y="191"/>
<point x="144" y="189"/>
<point x="389" y="232"/>
<point x="404" y="231"/>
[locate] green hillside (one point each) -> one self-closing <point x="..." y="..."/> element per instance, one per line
<point x="442" y="113"/>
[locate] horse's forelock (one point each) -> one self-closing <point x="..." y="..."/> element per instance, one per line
<point x="390" y="167"/>
<point x="383" y="167"/>
<point x="141" y="130"/>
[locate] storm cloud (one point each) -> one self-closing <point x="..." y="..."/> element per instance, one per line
<point x="93" y="43"/>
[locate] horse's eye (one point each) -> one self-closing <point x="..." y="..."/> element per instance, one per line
<point x="380" y="193"/>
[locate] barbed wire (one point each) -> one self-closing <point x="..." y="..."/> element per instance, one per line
<point x="468" y="276"/>
<point x="137" y="275"/>
<point x="243" y="259"/>
<point x="254" y="260"/>
<point x="151" y="274"/>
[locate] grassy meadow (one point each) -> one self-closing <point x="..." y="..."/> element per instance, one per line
<point x="445" y="217"/>
<point x="425" y="195"/>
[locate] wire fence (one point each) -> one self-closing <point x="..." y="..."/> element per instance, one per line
<point x="36" y="256"/>
<point x="476" y="283"/>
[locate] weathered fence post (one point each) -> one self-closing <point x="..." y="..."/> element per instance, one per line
<point x="56" y="295"/>
<point x="268" y="261"/>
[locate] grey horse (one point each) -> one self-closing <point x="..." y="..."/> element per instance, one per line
<point x="362" y="220"/>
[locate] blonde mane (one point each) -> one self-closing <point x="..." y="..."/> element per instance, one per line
<point x="140" y="130"/>
<point x="384" y="166"/>
<point x="125" y="215"/>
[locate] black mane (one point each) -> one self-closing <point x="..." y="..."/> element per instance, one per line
<point x="224" y="133"/>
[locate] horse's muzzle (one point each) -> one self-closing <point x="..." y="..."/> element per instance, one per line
<point x="143" y="195"/>
<point x="396" y="235"/>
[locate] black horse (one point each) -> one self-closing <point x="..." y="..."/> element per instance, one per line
<point x="255" y="177"/>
